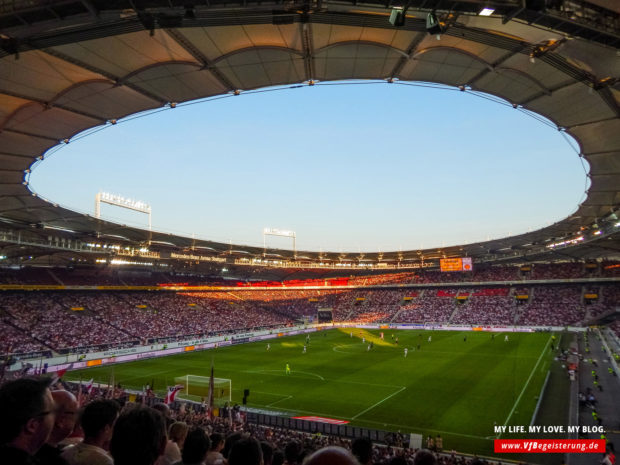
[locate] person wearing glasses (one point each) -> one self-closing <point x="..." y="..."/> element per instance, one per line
<point x="28" y="415"/>
<point x="66" y="417"/>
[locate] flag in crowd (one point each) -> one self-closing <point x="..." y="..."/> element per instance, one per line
<point x="172" y="393"/>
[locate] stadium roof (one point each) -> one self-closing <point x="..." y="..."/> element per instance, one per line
<point x="68" y="66"/>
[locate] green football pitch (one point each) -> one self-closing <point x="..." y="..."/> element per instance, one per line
<point x="449" y="386"/>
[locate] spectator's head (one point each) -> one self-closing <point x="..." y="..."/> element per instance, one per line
<point x="178" y="432"/>
<point x="217" y="441"/>
<point x="246" y="451"/>
<point x="97" y="421"/>
<point x="230" y="440"/>
<point x="362" y="449"/>
<point x="331" y="456"/>
<point x="139" y="437"/>
<point x="196" y="446"/>
<point x="28" y="413"/>
<point x="292" y="451"/>
<point x="424" y="457"/>
<point x="66" y="416"/>
<point x="163" y="409"/>
<point x="267" y="452"/>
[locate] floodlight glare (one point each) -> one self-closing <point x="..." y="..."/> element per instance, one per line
<point x="486" y="12"/>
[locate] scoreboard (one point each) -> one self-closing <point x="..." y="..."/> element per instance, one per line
<point x="456" y="264"/>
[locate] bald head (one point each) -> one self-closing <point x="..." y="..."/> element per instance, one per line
<point x="331" y="456"/>
<point x="66" y="416"/>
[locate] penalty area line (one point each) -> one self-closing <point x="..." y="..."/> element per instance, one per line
<point x="279" y="373"/>
<point x="379" y="403"/>
<point x="544" y="351"/>
<point x="280" y="400"/>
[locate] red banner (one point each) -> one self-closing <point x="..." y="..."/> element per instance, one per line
<point x="550" y="446"/>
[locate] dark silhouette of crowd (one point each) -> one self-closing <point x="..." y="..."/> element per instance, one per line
<point x="44" y="425"/>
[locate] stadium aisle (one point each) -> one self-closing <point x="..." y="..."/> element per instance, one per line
<point x="606" y="392"/>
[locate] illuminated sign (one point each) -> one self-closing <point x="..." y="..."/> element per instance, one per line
<point x="456" y="264"/>
<point x="119" y="200"/>
<point x="278" y="232"/>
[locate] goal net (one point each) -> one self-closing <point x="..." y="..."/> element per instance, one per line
<point x="197" y="387"/>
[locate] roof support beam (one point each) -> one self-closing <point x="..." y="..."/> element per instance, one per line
<point x="411" y="51"/>
<point x="17" y="198"/>
<point x="308" y="47"/>
<point x="190" y="48"/>
<point x="510" y="16"/>
<point x="29" y="134"/>
<point x="546" y="93"/>
<point x="590" y="122"/>
<point x="103" y="73"/>
<point x="18" y="155"/>
<point x="52" y="105"/>
<point x="610" y="100"/>
<point x="495" y="64"/>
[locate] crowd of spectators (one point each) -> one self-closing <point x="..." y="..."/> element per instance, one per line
<point x="50" y="425"/>
<point x="13" y="341"/>
<point x="554" y="306"/>
<point x="564" y="271"/>
<point x="485" y="310"/>
<point x="374" y="280"/>
<point x="64" y="320"/>
<point x="607" y="298"/>
<point x="428" y="308"/>
<point x="46" y="318"/>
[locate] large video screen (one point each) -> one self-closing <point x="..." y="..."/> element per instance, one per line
<point x="456" y="264"/>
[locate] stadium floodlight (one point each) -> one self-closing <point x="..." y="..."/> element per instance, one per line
<point x="278" y="232"/>
<point x="123" y="202"/>
<point x="486" y="11"/>
<point x="281" y="233"/>
<point x="397" y="16"/>
<point x="433" y="25"/>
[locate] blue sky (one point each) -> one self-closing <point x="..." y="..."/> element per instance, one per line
<point x="360" y="167"/>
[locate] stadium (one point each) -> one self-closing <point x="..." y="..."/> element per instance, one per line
<point x="450" y="349"/>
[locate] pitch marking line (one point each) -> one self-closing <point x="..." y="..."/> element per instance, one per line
<point x="363" y="384"/>
<point x="426" y="350"/>
<point x="308" y="373"/>
<point x="275" y="373"/>
<point x="280" y="400"/>
<point x="416" y="428"/>
<point x="379" y="403"/>
<point x="358" y="345"/>
<point x="544" y="351"/>
<point x="263" y="392"/>
<point x="278" y="373"/>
